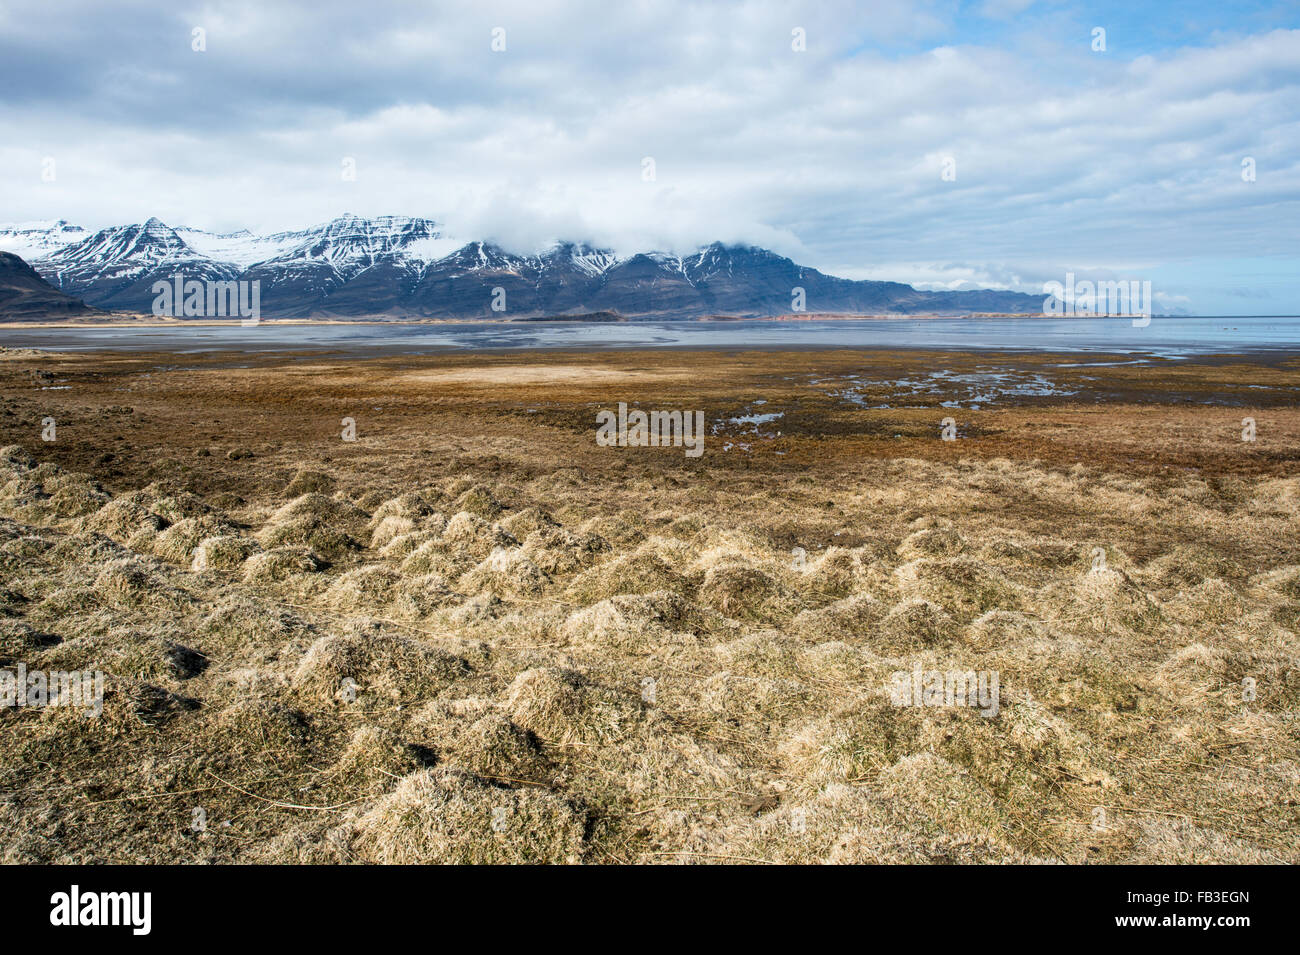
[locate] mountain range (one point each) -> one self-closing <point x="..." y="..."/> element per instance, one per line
<point x="404" y="267"/>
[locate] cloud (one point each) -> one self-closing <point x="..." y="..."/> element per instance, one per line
<point x="1065" y="159"/>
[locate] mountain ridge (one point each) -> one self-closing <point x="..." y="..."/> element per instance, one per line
<point x="24" y="294"/>
<point x="406" y="267"/>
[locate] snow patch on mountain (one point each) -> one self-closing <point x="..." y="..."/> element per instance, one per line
<point x="240" y="248"/>
<point x="583" y="257"/>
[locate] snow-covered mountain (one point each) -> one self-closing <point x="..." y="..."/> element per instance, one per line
<point x="32" y="240"/>
<point x="399" y="266"/>
<point x="115" y="268"/>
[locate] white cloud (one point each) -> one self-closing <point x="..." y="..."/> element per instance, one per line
<point x="832" y="156"/>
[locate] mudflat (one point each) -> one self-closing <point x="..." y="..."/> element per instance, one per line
<point x="407" y="609"/>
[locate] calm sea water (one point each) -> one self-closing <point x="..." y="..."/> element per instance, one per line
<point x="1165" y="337"/>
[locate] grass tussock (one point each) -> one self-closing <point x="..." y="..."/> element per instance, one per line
<point x="561" y="706"/>
<point x="440" y="817"/>
<point x="370" y="663"/>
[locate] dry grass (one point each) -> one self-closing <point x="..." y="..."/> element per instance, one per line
<point x="484" y="639"/>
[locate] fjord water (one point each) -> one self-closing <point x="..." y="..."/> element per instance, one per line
<point x="1163" y="337"/>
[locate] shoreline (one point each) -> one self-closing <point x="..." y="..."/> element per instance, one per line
<point x="154" y="322"/>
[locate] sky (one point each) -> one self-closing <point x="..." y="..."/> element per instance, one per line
<point x="991" y="144"/>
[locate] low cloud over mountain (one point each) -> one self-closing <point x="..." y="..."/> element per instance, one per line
<point x="400" y="266"/>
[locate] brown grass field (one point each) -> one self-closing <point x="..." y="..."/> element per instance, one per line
<point x="474" y="635"/>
